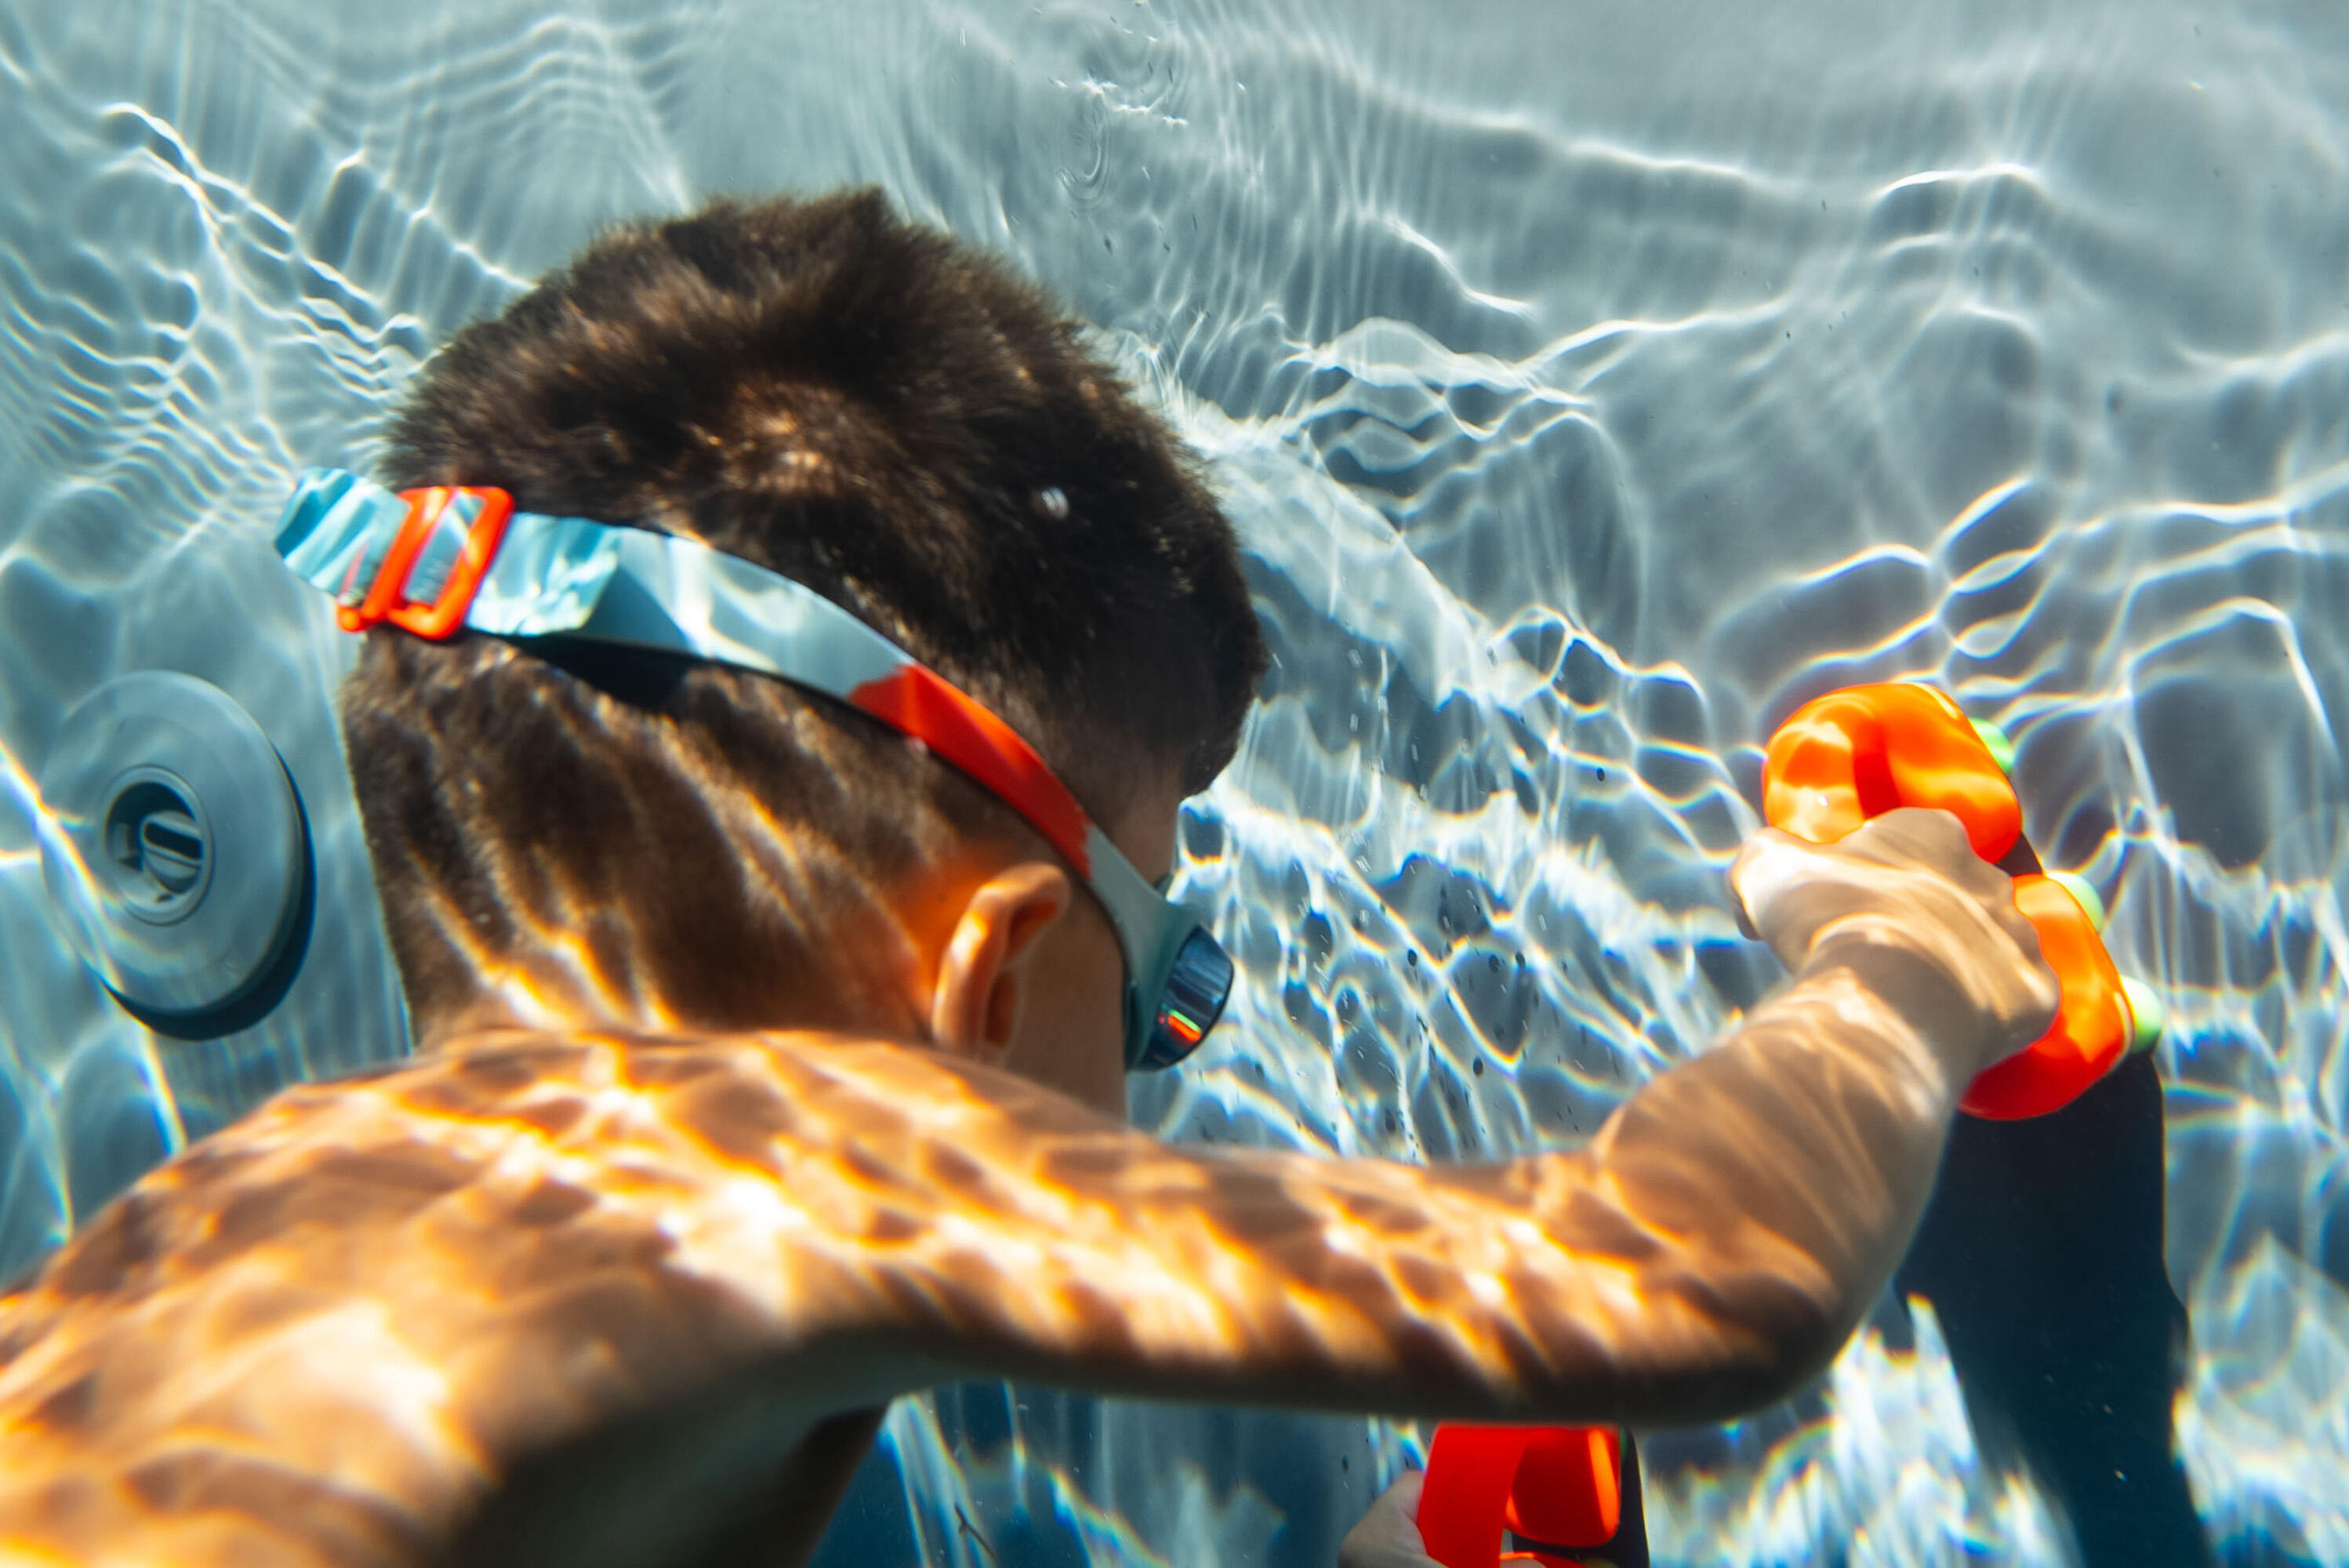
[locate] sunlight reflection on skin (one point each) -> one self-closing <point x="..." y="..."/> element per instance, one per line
<point x="331" y="1329"/>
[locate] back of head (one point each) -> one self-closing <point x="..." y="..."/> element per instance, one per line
<point x="873" y="409"/>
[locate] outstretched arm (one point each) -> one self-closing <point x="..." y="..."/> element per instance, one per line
<point x="1707" y="1252"/>
<point x="349" y="1314"/>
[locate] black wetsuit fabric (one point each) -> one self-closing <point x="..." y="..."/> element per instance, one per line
<point x="2042" y="1255"/>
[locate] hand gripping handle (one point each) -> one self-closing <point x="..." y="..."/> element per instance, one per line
<point x="1838" y="761"/>
<point x="1858" y="753"/>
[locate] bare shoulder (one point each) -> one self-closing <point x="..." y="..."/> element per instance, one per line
<point x="506" y="1139"/>
<point x="338" y="1322"/>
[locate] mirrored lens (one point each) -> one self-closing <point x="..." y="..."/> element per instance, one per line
<point x="1196" y="988"/>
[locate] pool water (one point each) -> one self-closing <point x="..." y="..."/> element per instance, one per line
<point x="1590" y="385"/>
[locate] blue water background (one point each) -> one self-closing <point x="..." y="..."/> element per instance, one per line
<point x="1592" y="384"/>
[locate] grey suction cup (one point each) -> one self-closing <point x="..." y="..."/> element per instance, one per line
<point x="179" y="865"/>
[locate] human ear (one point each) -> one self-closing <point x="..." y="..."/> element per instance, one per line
<point x="975" y="1000"/>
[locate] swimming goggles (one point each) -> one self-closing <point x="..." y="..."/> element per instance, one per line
<point x="433" y="561"/>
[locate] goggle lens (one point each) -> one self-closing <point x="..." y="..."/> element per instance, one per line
<point x="1196" y="988"/>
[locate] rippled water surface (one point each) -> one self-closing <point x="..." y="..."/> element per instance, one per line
<point x="1591" y="385"/>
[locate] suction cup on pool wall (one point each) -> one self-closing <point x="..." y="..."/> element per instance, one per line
<point x="179" y="864"/>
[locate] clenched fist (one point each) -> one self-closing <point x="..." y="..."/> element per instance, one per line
<point x="1906" y="881"/>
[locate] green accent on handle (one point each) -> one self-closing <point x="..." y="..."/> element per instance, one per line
<point x="2001" y="749"/>
<point x="2077" y="886"/>
<point x="2145" y="1013"/>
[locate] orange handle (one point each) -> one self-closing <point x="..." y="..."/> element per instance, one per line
<point x="1562" y="1485"/>
<point x="1856" y="754"/>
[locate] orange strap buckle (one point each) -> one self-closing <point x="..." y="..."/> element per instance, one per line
<point x="386" y="597"/>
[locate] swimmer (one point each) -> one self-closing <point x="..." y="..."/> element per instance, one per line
<point x="770" y="1050"/>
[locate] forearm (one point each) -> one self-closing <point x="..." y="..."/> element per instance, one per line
<point x="1710" y="1249"/>
<point x="1787" y="1169"/>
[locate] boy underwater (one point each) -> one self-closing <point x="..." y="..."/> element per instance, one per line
<point x="768" y="1067"/>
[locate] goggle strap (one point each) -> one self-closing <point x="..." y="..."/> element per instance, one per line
<point x="527" y="574"/>
<point x="914" y="700"/>
<point x="545" y="575"/>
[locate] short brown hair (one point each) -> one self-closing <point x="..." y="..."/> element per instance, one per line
<point x="876" y="410"/>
